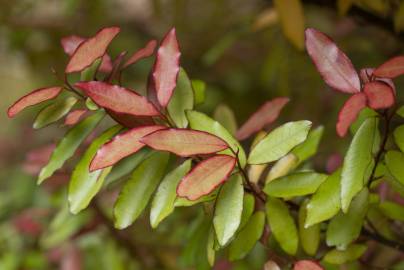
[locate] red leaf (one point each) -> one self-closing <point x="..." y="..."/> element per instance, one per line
<point x="307" y="265"/>
<point x="106" y="64"/>
<point x="37" y="158"/>
<point x="33" y="98"/>
<point x="206" y="176"/>
<point x="121" y="146"/>
<point x="70" y="43"/>
<point x="130" y="121"/>
<point x="265" y="115"/>
<point x="117" y="99"/>
<point x="166" y="68"/>
<point x="333" y="65"/>
<point x="380" y="95"/>
<point x="391" y="68"/>
<point x="184" y="142"/>
<point x="145" y="52"/>
<point x="74" y="116"/>
<point x="91" y="49"/>
<point x="366" y="76"/>
<point x="349" y="112"/>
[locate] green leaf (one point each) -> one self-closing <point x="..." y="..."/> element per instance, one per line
<point x="345" y="228"/>
<point x="137" y="191"/>
<point x="282" y="225"/>
<point x="84" y="185"/>
<point x="229" y="206"/>
<point x="279" y="142"/>
<point x="358" y="162"/>
<point x="184" y="202"/>
<point x="54" y="112"/>
<point x="392" y="210"/>
<point x="210" y="247"/>
<point x="88" y="74"/>
<point x="282" y="167"/>
<point x="163" y="202"/>
<point x="309" y="147"/>
<point x="69" y="144"/>
<point x="182" y="100"/>
<point x="325" y="203"/>
<point x="91" y="105"/>
<point x="225" y="116"/>
<point x="400" y="111"/>
<point x="399" y="137"/>
<point x="296" y="184"/>
<point x="399" y="18"/>
<point x="199" y="91"/>
<point x="394" y="161"/>
<point x="363" y="115"/>
<point x="248" y="209"/>
<point x="353" y="252"/>
<point x="247" y="237"/>
<point x="309" y="236"/>
<point x="200" y="121"/>
<point x="380" y="222"/>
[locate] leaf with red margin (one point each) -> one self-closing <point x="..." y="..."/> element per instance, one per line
<point x="334" y="66"/>
<point x="129" y="120"/>
<point x="265" y="115"/>
<point x="206" y="176"/>
<point x="33" y="98"/>
<point x="166" y="68"/>
<point x="121" y="146"/>
<point x="307" y="265"/>
<point x="349" y="112"/>
<point x="379" y="94"/>
<point x="184" y="142"/>
<point x="144" y="52"/>
<point x="391" y="68"/>
<point x="74" y="117"/>
<point x="91" y="49"/>
<point x="366" y="73"/>
<point x="117" y="99"/>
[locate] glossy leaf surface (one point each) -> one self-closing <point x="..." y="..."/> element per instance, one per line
<point x="54" y="112"/>
<point x="379" y="95"/>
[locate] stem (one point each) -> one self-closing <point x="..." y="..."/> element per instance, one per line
<point x="382" y="240"/>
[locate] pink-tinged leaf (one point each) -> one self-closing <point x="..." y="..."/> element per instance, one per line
<point x="74" y="117"/>
<point x="333" y="65"/>
<point x="33" y="98"/>
<point x="349" y="112"/>
<point x="184" y="142"/>
<point x="380" y="95"/>
<point x="206" y="176"/>
<point x="366" y="76"/>
<point x="391" y="68"/>
<point x="130" y="121"/>
<point x="116" y="66"/>
<point x="37" y="158"/>
<point x="121" y="146"/>
<point x="91" y="49"/>
<point x="70" y="43"/>
<point x="106" y="64"/>
<point x="166" y="68"/>
<point x="264" y="116"/>
<point x="117" y="99"/>
<point x="144" y="52"/>
<point x="307" y="265"/>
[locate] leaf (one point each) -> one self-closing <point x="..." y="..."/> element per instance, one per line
<point x="345" y="228"/>
<point x="199" y="88"/>
<point x="264" y="116"/>
<point x="392" y="68"/>
<point x="121" y="146"/>
<point x="163" y="202"/>
<point x="70" y="43"/>
<point x="166" y="68"/>
<point x="379" y="95"/>
<point x="358" y="161"/>
<point x="200" y="121"/>
<point x="309" y="147"/>
<point x="206" y="176"/>
<point x="399" y="137"/>
<point x="247" y="237"/>
<point x="363" y="115"/>
<point x="309" y="236"/>
<point x="91" y="49"/>
<point x="117" y="99"/>
<point x="136" y="192"/>
<point x="144" y="52"/>
<point x="54" y="112"/>
<point x="279" y="142"/>
<point x="69" y="144"/>
<point x="84" y="185"/>
<point x="183" y="202"/>
<point x="400" y="111"/>
<point x="33" y="98"/>
<point x="282" y="225"/>
<point x="282" y="167"/>
<point x="210" y="247"/>
<point x="326" y="202"/>
<point x="307" y="265"/>
<point x="74" y="117"/>
<point x="228" y="209"/>
<point x="334" y="66"/>
<point x="248" y="209"/>
<point x="182" y="100"/>
<point x="392" y="210"/>
<point x="292" y="19"/>
<point x="225" y="116"/>
<point x="394" y="162"/>
<point x="349" y="112"/>
<point x="296" y="184"/>
<point x="352" y="253"/>
<point x="184" y="142"/>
